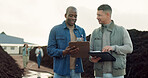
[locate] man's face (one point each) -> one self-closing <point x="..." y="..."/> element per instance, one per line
<point x="102" y="17"/>
<point x="71" y="17"/>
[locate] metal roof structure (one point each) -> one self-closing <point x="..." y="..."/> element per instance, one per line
<point x="6" y="39"/>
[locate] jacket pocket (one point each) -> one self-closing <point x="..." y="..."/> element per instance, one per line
<point x="120" y="62"/>
<point x="98" y="66"/>
<point x="97" y="43"/>
<point x="61" y="42"/>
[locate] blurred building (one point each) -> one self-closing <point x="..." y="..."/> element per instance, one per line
<point x="11" y="44"/>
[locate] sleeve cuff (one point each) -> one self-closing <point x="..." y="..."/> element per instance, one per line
<point x="113" y="48"/>
<point x="61" y="53"/>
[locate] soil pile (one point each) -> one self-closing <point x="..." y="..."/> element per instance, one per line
<point x="137" y="61"/>
<point x="8" y="66"/>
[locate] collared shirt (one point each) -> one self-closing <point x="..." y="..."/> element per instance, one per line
<point x="59" y="38"/>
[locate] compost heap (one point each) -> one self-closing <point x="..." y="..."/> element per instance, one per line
<point x="137" y="61"/>
<point x="8" y="66"/>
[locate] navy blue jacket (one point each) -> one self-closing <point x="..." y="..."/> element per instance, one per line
<point x="59" y="38"/>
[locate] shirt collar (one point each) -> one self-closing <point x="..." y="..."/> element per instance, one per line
<point x="106" y="25"/>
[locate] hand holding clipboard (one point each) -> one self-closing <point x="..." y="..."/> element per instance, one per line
<point x="105" y="56"/>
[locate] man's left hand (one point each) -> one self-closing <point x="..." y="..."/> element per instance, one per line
<point x="74" y="50"/>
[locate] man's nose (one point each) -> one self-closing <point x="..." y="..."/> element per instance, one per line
<point x="73" y="17"/>
<point x="97" y="18"/>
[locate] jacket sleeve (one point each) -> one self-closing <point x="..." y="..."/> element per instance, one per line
<point x="36" y="51"/>
<point x="23" y="51"/>
<point x="42" y="52"/>
<point x="127" y="46"/>
<point x="52" y="45"/>
<point x="29" y="50"/>
<point x="92" y="43"/>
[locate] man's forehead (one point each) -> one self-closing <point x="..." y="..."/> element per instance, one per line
<point x="72" y="11"/>
<point x="100" y="11"/>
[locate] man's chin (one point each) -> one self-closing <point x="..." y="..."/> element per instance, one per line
<point x="71" y="24"/>
<point x="100" y="23"/>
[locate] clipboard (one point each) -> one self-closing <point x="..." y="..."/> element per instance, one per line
<point x="83" y="49"/>
<point x="105" y="56"/>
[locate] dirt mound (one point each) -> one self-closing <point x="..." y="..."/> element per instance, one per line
<point x="8" y="66"/>
<point x="137" y="62"/>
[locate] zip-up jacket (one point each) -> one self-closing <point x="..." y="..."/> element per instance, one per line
<point x="121" y="43"/>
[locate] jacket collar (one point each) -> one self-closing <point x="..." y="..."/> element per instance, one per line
<point x="110" y="27"/>
<point x="65" y="27"/>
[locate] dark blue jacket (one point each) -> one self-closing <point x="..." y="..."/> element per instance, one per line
<point x="59" y="38"/>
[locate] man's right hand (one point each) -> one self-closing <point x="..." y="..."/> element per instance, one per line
<point x="95" y="59"/>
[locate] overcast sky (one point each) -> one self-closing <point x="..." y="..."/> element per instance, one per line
<point x="32" y="20"/>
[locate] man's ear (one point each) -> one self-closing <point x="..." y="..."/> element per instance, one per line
<point x="65" y="15"/>
<point x="108" y="14"/>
